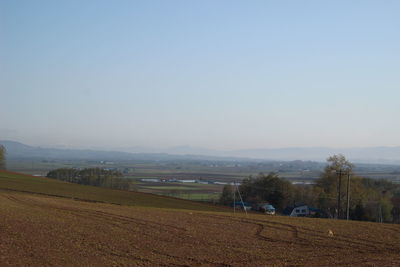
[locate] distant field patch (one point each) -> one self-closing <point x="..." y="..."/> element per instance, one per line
<point x="171" y="187"/>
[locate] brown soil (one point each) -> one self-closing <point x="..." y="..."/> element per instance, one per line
<point x="40" y="231"/>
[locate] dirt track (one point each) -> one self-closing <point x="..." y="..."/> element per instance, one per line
<point x="38" y="230"/>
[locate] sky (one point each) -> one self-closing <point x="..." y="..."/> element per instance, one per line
<point x="213" y="74"/>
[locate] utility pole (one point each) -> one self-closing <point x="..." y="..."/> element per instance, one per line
<point x="339" y="192"/>
<point x="241" y="199"/>
<point x="234" y="198"/>
<point x="380" y="213"/>
<point x="348" y="196"/>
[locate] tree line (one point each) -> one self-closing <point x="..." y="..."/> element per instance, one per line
<point x="369" y="199"/>
<point x="91" y="176"/>
<point x="2" y="157"/>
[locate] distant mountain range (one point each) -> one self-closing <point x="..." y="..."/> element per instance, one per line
<point x="16" y="150"/>
<point x="379" y="155"/>
<point x="384" y="155"/>
<point x="375" y="155"/>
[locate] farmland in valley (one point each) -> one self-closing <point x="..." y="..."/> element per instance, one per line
<point x="39" y="229"/>
<point x="200" y="170"/>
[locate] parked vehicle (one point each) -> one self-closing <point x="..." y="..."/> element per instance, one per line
<point x="266" y="208"/>
<point x="304" y="211"/>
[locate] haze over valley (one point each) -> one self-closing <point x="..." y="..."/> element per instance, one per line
<point x="373" y="155"/>
<point x="199" y="133"/>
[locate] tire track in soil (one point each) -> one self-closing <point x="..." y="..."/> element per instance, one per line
<point x="78" y="212"/>
<point x="371" y="262"/>
<point x="124" y="219"/>
<point x="346" y="239"/>
<point x="261" y="226"/>
<point x="354" y="243"/>
<point x="129" y="257"/>
<point x="98" y="214"/>
<point x="392" y="229"/>
<point x="199" y="261"/>
<point x="106" y="252"/>
<point x="82" y="213"/>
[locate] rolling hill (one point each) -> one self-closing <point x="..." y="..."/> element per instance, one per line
<point x="48" y="222"/>
<point x="10" y="181"/>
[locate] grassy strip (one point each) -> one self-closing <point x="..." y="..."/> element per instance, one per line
<point x="46" y="186"/>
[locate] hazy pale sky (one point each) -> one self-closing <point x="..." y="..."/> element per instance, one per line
<point x="214" y="74"/>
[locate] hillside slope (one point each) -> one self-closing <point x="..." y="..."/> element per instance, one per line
<point x="39" y="230"/>
<point x="40" y="185"/>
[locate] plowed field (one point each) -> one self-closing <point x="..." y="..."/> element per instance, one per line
<point x="38" y="230"/>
